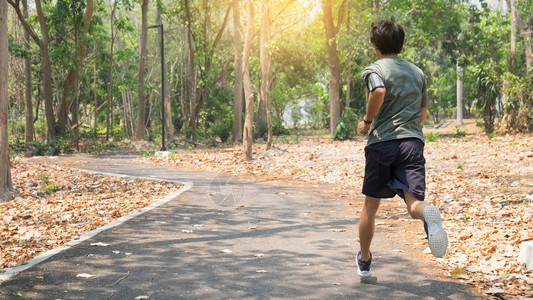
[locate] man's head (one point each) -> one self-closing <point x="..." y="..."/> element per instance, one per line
<point x="387" y="36"/>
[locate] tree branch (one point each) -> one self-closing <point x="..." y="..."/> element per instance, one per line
<point x="286" y="27"/>
<point x="222" y="73"/>
<point x="256" y="33"/>
<point x="219" y="35"/>
<point x="26" y="25"/>
<point x="341" y="14"/>
<point x="281" y="11"/>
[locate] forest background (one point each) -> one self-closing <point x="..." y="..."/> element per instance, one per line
<point x="75" y="67"/>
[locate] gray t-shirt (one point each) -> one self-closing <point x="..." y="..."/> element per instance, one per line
<point x="406" y="94"/>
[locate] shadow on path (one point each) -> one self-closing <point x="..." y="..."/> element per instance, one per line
<point x="282" y="242"/>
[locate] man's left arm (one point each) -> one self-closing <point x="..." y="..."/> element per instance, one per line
<point x="424" y="103"/>
<point x="423" y="114"/>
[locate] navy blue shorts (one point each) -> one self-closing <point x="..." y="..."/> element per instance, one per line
<point x="393" y="167"/>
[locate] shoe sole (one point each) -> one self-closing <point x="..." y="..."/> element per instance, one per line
<point x="437" y="237"/>
<point x="362" y="274"/>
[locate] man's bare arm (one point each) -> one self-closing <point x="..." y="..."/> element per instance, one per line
<point x="423" y="114"/>
<point x="375" y="100"/>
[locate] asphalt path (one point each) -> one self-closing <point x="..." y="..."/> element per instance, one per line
<point x="230" y="238"/>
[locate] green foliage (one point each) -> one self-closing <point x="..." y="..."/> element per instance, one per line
<point x="432" y="136"/>
<point x="341" y="132"/>
<point x="440" y="34"/>
<point x="218" y="118"/>
<point x="222" y="130"/>
<point x="486" y="83"/>
<point x="39" y="148"/>
<point x="319" y="111"/>
<point x="459" y="132"/>
<point x="294" y="139"/>
<point x="147" y="153"/>
<point x="278" y="128"/>
<point x="48" y="185"/>
<point x="347" y="126"/>
<point x="519" y="102"/>
<point x="55" y="146"/>
<point x="298" y="170"/>
<point x="17" y="49"/>
<point x="486" y="48"/>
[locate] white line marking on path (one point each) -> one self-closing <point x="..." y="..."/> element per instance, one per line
<point x="10" y="272"/>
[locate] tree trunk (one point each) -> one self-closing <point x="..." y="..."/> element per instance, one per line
<point x="140" y="132"/>
<point x="72" y="76"/>
<point x="514" y="28"/>
<point x="46" y="65"/>
<point x="127" y="115"/>
<point x="182" y="96"/>
<point x="269" y="121"/>
<point x="192" y="83"/>
<point x="237" y="85"/>
<point x="75" y="108"/>
<point x="333" y="61"/>
<point x="6" y="184"/>
<point x="47" y="72"/>
<point x="110" y="72"/>
<point x="29" y="128"/>
<point x="488" y="116"/>
<point x="248" y="93"/>
<point x="95" y="94"/>
<point x="169" y="123"/>
<point x="525" y="31"/>
<point x="460" y="91"/>
<point x="349" y="67"/>
<point x="528" y="50"/>
<point x="264" y="59"/>
<point x="208" y="59"/>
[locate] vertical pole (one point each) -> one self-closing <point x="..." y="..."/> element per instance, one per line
<point x="162" y="87"/>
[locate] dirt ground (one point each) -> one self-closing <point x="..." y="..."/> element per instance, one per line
<point x="482" y="186"/>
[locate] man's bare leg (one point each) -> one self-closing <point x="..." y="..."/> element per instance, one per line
<point x="415" y="207"/>
<point x="367" y="225"/>
<point x="437" y="237"/>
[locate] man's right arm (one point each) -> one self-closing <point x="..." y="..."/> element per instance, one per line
<point x="375" y="100"/>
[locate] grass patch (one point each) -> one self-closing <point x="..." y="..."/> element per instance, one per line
<point x="432" y="136"/>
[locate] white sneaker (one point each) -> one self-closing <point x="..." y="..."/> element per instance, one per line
<point x="363" y="267"/>
<point x="437" y="237"/>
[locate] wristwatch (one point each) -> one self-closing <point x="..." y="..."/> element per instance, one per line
<point x="367" y="122"/>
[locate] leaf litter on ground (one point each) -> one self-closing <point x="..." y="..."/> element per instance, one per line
<point x="58" y="204"/>
<point x="483" y="187"/>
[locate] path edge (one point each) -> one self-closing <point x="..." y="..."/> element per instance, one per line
<point x="187" y="185"/>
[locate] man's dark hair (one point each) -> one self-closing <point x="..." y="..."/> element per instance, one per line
<point x="387" y="36"/>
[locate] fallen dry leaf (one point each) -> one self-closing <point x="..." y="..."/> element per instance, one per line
<point x="459" y="274"/>
<point x="57" y="204"/>
<point x="482" y="186"/>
